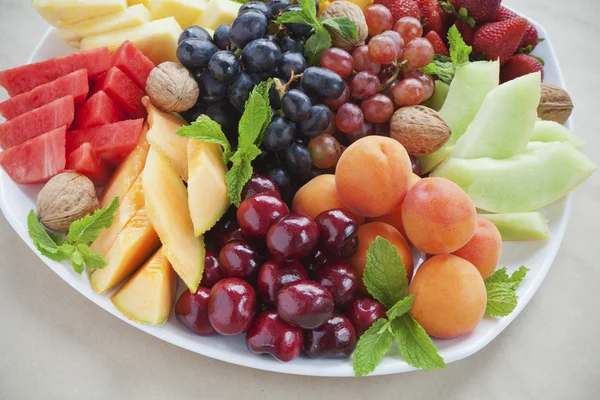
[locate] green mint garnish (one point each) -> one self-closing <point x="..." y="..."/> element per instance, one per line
<point x="445" y="67"/>
<point x="501" y="291"/>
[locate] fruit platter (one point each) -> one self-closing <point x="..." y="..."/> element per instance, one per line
<point x="313" y="187"/>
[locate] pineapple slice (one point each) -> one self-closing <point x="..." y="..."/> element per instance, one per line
<point x="59" y="12"/>
<point x="134" y="244"/>
<point x="130" y="17"/>
<point x="218" y="12"/>
<point x="167" y="204"/>
<point x="147" y="297"/>
<point x="184" y="11"/>
<point x="208" y="198"/>
<point x="162" y="135"/>
<point x="156" y="39"/>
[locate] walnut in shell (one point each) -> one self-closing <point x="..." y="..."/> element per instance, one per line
<point x="172" y="88"/>
<point x="555" y="104"/>
<point x="356" y="15"/>
<point x="66" y="198"/>
<point x="419" y="129"/>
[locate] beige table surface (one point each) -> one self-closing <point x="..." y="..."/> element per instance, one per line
<point x="55" y="344"/>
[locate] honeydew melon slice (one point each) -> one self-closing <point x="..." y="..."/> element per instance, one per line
<point x="504" y="124"/>
<point x="520" y="226"/>
<point x="436" y="102"/>
<point x="525" y="182"/>
<point x="550" y="131"/>
<point x="467" y="92"/>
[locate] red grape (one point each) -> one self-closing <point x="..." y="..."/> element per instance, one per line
<point x="379" y="18"/>
<point x="364" y="85"/>
<point x="409" y="28"/>
<point x="383" y="49"/>
<point x="419" y="52"/>
<point x="338" y="61"/>
<point x="332" y="128"/>
<point x="389" y="92"/>
<point x="363" y="61"/>
<point x="386" y="73"/>
<point x="398" y="40"/>
<point x="325" y="151"/>
<point x="426" y="80"/>
<point x="366" y="129"/>
<point x="340" y="101"/>
<point x="409" y="92"/>
<point x="377" y="108"/>
<point x="382" y="129"/>
<point x="349" y="118"/>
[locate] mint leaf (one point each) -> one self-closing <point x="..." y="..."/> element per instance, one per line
<point x="385" y="275"/>
<point x="401" y="308"/>
<point x="518" y="276"/>
<point x="415" y="345"/>
<point x="459" y="51"/>
<point x="237" y="176"/>
<point x="316" y="45"/>
<point x="445" y="67"/>
<point x="499" y="276"/>
<point x="308" y="7"/>
<point x="342" y="25"/>
<point x="257" y="116"/>
<point x="501" y="299"/>
<point x="86" y="230"/>
<point x="63" y="252"/>
<point x="39" y="235"/>
<point x="371" y="347"/>
<point x="295" y="17"/>
<point x="77" y="261"/>
<point x="92" y="260"/>
<point x="205" y="129"/>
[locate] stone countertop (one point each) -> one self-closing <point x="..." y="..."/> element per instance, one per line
<point x="55" y="344"/>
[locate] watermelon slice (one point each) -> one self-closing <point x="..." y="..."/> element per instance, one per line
<point x="98" y="110"/>
<point x="133" y="63"/>
<point x="37" y="122"/>
<point x="85" y="161"/>
<point x="111" y="142"/>
<point x="38" y="159"/>
<point x="74" y="84"/>
<point x="123" y="91"/>
<point x="27" y="77"/>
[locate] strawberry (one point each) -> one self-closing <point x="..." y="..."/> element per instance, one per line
<point x="401" y="8"/>
<point x="466" y="32"/>
<point x="504" y="14"/>
<point x="481" y="10"/>
<point x="530" y="38"/>
<point x="500" y="40"/>
<point x="519" y="65"/>
<point x="438" y="44"/>
<point x="434" y="17"/>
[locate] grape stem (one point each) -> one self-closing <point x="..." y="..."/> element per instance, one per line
<point x="283" y="88"/>
<point x="399" y="67"/>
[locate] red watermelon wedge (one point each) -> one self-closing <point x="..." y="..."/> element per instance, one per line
<point x="84" y="160"/>
<point x="37" y="122"/>
<point x="27" y="77"/>
<point x="122" y="91"/>
<point x="97" y="110"/>
<point x="111" y="142"/>
<point x="74" y="84"/>
<point x="38" y="159"/>
<point x="133" y="63"/>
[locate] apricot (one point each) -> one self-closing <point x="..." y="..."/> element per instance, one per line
<point x="318" y="195"/>
<point x="438" y="216"/>
<point x="450" y="296"/>
<point x="372" y="176"/>
<point x="395" y="217"/>
<point x="367" y="235"/>
<point x="484" y="248"/>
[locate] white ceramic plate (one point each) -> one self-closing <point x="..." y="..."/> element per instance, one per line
<point x="16" y="201"/>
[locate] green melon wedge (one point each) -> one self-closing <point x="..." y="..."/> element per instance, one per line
<point x="505" y="122"/>
<point x="436" y="102"/>
<point x="550" y="131"/>
<point x="518" y="227"/>
<point x="521" y="183"/>
<point x="467" y="92"/>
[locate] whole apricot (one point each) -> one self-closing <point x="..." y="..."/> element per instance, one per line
<point x="450" y="296"/>
<point x="438" y="216"/>
<point x="373" y="175"/>
<point x="484" y="248"/>
<point x="367" y="235"/>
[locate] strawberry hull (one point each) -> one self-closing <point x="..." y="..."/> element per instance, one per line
<point x="37" y="122"/>
<point x="111" y="142"/>
<point x="85" y="161"/>
<point x="28" y="77"/>
<point x="98" y="110"/>
<point x="133" y="63"/>
<point x="38" y="159"/>
<point x="122" y="91"/>
<point x="74" y="84"/>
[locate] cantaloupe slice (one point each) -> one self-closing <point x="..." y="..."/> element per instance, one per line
<point x="134" y="244"/>
<point x="208" y="199"/>
<point x="167" y="204"/>
<point x="59" y="12"/>
<point x="162" y="135"/>
<point x="520" y="226"/>
<point x="128" y="171"/>
<point x="147" y="297"/>
<point x="522" y="183"/>
<point x="550" y="131"/>
<point x="186" y="12"/>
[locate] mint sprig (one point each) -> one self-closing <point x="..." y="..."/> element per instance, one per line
<point x="207" y="130"/>
<point x="445" y="67"/>
<point x="321" y="39"/>
<point x="81" y="233"/>
<point x="501" y="291"/>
